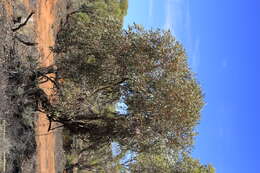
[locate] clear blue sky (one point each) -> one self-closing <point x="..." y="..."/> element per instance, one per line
<point x="222" y="39"/>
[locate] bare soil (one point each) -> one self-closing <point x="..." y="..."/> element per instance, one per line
<point x="45" y="19"/>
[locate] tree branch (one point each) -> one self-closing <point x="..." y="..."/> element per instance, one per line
<point x="109" y="86"/>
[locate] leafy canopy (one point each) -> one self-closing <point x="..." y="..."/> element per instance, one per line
<point x="100" y="64"/>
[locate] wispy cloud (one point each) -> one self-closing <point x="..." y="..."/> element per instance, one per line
<point x="224" y="64"/>
<point x="195" y="55"/>
<point x="168" y="17"/>
<point x="150" y="11"/>
<point x="173" y="14"/>
<point x="151" y="6"/>
<point x="178" y="19"/>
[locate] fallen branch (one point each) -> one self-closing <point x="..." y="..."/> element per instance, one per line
<point x="57" y="127"/>
<point x="50" y="79"/>
<point x="24" y="23"/>
<point x="46" y="70"/>
<point x="27" y="43"/>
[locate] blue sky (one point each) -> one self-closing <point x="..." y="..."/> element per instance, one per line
<point x="222" y="40"/>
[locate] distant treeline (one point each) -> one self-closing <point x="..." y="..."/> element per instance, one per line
<point x="115" y="8"/>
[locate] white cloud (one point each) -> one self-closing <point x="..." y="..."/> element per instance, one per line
<point x="150" y="10"/>
<point x="173" y="14"/>
<point x="193" y="45"/>
<point x="179" y="20"/>
<point x="168" y="17"/>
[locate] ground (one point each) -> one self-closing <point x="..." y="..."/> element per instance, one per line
<point x="45" y="18"/>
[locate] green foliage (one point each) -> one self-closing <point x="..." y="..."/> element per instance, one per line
<point x="162" y="163"/>
<point x="99" y="63"/>
<point x="83" y="155"/>
<point x="189" y="165"/>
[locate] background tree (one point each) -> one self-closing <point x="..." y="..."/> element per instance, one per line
<point x="104" y="8"/>
<point x="116" y="8"/>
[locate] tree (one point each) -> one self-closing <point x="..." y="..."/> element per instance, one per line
<point x="98" y="65"/>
